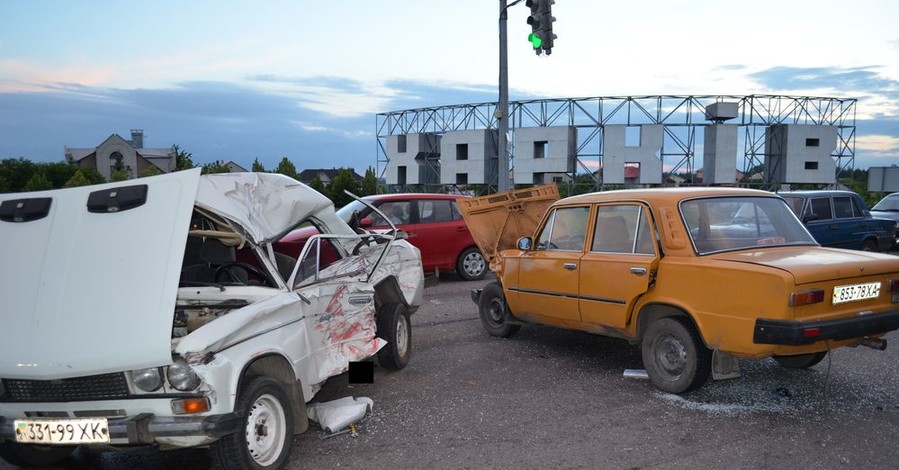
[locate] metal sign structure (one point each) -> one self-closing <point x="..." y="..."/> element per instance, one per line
<point x="681" y="116"/>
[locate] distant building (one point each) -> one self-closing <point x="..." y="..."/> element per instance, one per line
<point x="127" y="155"/>
<point x="675" y="180"/>
<point x="235" y="168"/>
<point x="739" y="177"/>
<point x="325" y="175"/>
<point x="631" y="173"/>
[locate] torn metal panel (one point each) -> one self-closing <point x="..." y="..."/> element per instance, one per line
<point x="344" y="328"/>
<point x="241" y="324"/>
<point x="403" y="262"/>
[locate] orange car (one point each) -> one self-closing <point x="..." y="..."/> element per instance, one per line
<point x="699" y="276"/>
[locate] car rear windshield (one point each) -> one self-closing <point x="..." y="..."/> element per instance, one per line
<point x="889" y="203"/>
<point x="737" y="223"/>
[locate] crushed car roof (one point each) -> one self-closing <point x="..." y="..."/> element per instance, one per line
<point x="266" y="205"/>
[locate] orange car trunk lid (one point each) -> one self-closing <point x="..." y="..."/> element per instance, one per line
<point x="816" y="264"/>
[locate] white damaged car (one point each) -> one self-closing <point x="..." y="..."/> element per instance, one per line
<point x="164" y="311"/>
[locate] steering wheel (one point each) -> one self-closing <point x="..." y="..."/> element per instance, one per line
<point x="354" y="222"/>
<point x="365" y="241"/>
<point x="225" y="270"/>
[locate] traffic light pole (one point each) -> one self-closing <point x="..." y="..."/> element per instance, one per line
<point x="541" y="21"/>
<point x="502" y="108"/>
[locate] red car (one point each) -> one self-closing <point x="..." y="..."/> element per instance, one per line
<point x="433" y="223"/>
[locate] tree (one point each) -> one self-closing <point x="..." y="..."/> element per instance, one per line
<point x="77" y="179"/>
<point x="343" y="181"/>
<point x="583" y="183"/>
<point x="217" y="166"/>
<point x="257" y="167"/>
<point x="119" y="165"/>
<point x="183" y="160"/>
<point x="287" y="168"/>
<point x="59" y="173"/>
<point x="857" y="181"/>
<point x="16" y="172"/>
<point x="151" y="170"/>
<point x="119" y="175"/>
<point x="38" y="182"/>
<point x="91" y="174"/>
<point x="317" y="185"/>
<point x="369" y="184"/>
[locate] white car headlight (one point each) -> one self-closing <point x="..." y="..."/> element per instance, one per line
<point x="182" y="377"/>
<point x="148" y="380"/>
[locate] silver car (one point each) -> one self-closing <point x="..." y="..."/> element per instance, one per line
<point x="888" y="208"/>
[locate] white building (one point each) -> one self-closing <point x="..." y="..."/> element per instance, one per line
<point x="128" y="155"/>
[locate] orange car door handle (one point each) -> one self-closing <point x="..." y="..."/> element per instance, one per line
<point x="570" y="266"/>
<point x="638" y="271"/>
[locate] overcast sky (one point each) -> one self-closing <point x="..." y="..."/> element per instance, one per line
<point x="238" y="80"/>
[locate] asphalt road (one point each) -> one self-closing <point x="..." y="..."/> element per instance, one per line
<point x="550" y="398"/>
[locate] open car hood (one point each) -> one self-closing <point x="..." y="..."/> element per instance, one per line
<point x="90" y="275"/>
<point x="497" y="221"/>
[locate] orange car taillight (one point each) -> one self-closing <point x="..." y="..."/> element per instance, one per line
<point x="894" y="285"/>
<point x="811" y="332"/>
<point x="806" y="297"/>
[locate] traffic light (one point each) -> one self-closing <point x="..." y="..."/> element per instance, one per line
<point x="534" y="20"/>
<point x="547" y="24"/>
<point x="541" y="21"/>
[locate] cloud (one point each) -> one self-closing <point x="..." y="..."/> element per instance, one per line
<point x="319" y="122"/>
<point x="304" y="119"/>
<point x="878" y="145"/>
<point x="817" y="78"/>
<point x="342" y="97"/>
<point x="876" y="93"/>
<point x="730" y="67"/>
<point x="213" y="121"/>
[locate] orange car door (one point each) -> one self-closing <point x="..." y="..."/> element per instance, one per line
<point x="548" y="274"/>
<point x="618" y="265"/>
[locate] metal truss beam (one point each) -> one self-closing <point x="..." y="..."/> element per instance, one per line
<point x="681" y="115"/>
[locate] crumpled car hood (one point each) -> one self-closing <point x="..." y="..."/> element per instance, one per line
<point x="265" y="205"/>
<point x="89" y="293"/>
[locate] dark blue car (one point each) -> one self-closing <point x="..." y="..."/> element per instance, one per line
<point x="841" y="219"/>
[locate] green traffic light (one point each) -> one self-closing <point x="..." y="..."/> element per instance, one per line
<point x="535" y="40"/>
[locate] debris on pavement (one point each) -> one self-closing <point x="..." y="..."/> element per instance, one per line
<point x="639" y="374"/>
<point x="336" y="415"/>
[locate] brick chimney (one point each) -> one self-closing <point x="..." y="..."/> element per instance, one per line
<point x="137" y="138"/>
